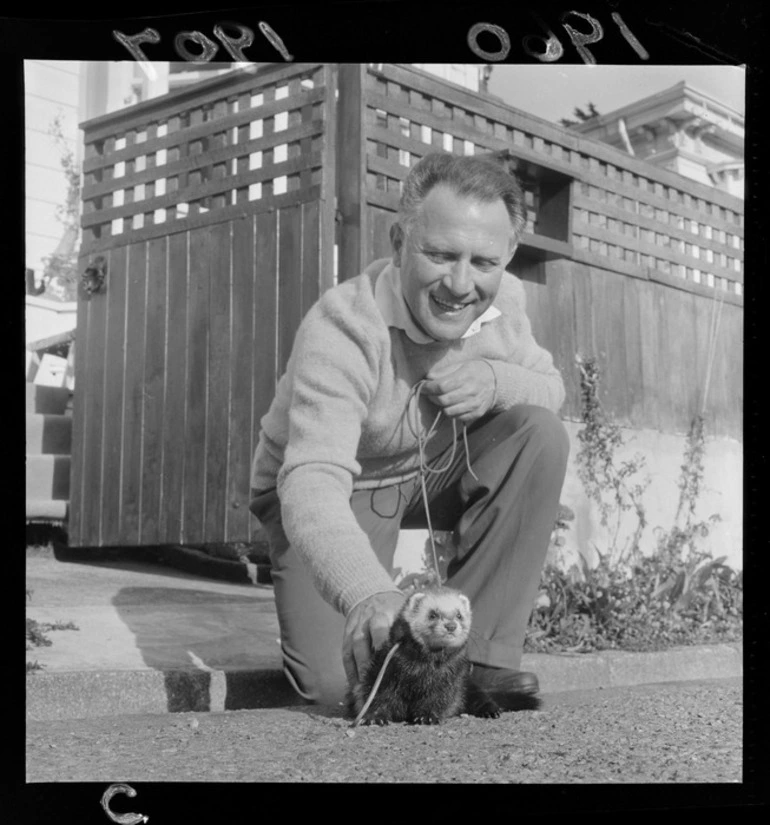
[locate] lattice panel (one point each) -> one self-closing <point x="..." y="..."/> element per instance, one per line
<point x="625" y="214"/>
<point x="250" y="143"/>
<point x="645" y="224"/>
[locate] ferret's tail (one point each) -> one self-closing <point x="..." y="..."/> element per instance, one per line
<point x="518" y="701"/>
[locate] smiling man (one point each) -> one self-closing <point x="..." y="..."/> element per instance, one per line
<point x="336" y="471"/>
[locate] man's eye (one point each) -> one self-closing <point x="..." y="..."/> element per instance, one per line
<point x="439" y="257"/>
<point x="485" y="266"/>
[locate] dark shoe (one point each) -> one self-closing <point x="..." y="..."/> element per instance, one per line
<point x="511" y="689"/>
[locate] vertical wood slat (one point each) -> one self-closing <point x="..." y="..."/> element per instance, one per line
<point x="700" y="343"/>
<point x="311" y="255"/>
<point x="133" y="395"/>
<point x="218" y="384"/>
<point x="175" y="407"/>
<point x="196" y="386"/>
<point x="241" y="382"/>
<point x="154" y="391"/>
<point x="265" y="316"/>
<point x="328" y="228"/>
<point x="683" y="385"/>
<point x="93" y="392"/>
<point x="632" y="330"/>
<point x="289" y="280"/>
<point x="116" y="355"/>
<point x="558" y="279"/>
<point x="584" y="340"/>
<point x="351" y="156"/>
<point x="665" y="402"/>
<point x="726" y="392"/>
<point x="650" y="352"/>
<point x="265" y="321"/>
<point x="732" y="356"/>
<point x="80" y="420"/>
<point x="606" y="308"/>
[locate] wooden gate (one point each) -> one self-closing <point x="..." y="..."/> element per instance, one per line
<point x="212" y="211"/>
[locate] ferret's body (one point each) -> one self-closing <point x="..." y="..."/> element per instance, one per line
<point x="427" y="679"/>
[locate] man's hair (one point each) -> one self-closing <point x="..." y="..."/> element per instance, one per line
<point x="472" y="177"/>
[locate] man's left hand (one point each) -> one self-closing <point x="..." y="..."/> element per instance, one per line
<point x="465" y="392"/>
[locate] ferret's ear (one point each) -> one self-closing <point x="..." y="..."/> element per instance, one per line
<point x="414" y="601"/>
<point x="465" y="601"/>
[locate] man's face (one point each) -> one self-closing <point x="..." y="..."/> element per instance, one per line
<point x="452" y="261"/>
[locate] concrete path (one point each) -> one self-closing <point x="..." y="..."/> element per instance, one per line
<point x="155" y="639"/>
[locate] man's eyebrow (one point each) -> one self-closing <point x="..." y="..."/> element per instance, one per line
<point x="427" y="246"/>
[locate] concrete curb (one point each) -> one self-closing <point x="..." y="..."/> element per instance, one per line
<point x="616" y="668"/>
<point x="86" y="694"/>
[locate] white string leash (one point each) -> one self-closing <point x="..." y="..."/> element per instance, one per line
<point x="375" y="686"/>
<point x="414" y="401"/>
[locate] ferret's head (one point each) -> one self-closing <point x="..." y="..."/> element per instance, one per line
<point x="438" y="618"/>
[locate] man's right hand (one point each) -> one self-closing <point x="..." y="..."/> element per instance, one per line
<point x="367" y="628"/>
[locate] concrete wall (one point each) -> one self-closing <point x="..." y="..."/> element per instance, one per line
<point x="721" y="493"/>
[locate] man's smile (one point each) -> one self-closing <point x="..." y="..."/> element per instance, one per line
<point x="450" y="306"/>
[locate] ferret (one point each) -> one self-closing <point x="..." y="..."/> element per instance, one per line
<point x="428" y="678"/>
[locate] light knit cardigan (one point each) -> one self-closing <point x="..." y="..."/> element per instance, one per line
<point x="338" y="420"/>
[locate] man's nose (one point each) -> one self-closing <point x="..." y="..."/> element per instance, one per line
<point x="458" y="280"/>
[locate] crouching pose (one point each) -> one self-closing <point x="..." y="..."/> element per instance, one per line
<point x="336" y="470"/>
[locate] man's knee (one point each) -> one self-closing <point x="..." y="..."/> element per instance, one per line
<point x="541" y="426"/>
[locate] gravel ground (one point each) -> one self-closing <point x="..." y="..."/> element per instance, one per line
<point x="673" y="733"/>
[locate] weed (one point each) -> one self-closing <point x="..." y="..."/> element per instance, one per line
<point x="609" y="484"/>
<point x="36" y="635"/>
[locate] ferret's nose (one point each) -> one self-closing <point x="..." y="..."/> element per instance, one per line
<point x="450" y="626"/>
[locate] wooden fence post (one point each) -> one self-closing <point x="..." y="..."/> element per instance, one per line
<point x="351" y="170"/>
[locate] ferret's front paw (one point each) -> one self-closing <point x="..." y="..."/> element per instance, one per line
<point x="375" y="719"/>
<point x="425" y="719"/>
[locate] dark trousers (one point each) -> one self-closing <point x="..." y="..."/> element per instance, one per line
<point x="502" y="522"/>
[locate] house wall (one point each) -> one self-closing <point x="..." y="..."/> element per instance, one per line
<point x="52" y="88"/>
<point x="45" y="318"/>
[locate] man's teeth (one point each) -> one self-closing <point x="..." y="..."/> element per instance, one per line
<point x="449" y="306"/>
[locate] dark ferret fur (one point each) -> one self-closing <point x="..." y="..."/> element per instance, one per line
<point x="428" y="678"/>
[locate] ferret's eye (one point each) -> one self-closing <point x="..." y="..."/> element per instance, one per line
<point x="433" y="614"/>
<point x="459" y="614"/>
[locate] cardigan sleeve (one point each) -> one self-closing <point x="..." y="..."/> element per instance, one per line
<point x="528" y="374"/>
<point x="334" y="373"/>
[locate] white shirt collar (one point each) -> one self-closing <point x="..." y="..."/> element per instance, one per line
<point x="390" y="301"/>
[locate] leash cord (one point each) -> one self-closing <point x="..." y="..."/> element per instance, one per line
<point x="414" y="400"/>
<point x="375" y="686"/>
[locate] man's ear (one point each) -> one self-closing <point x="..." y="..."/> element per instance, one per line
<point x="397" y="242"/>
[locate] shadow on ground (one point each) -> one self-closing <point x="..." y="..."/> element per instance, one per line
<point x="196" y="637"/>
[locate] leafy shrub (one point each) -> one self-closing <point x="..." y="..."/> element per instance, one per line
<point x="659" y="601"/>
<point x="679" y="595"/>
